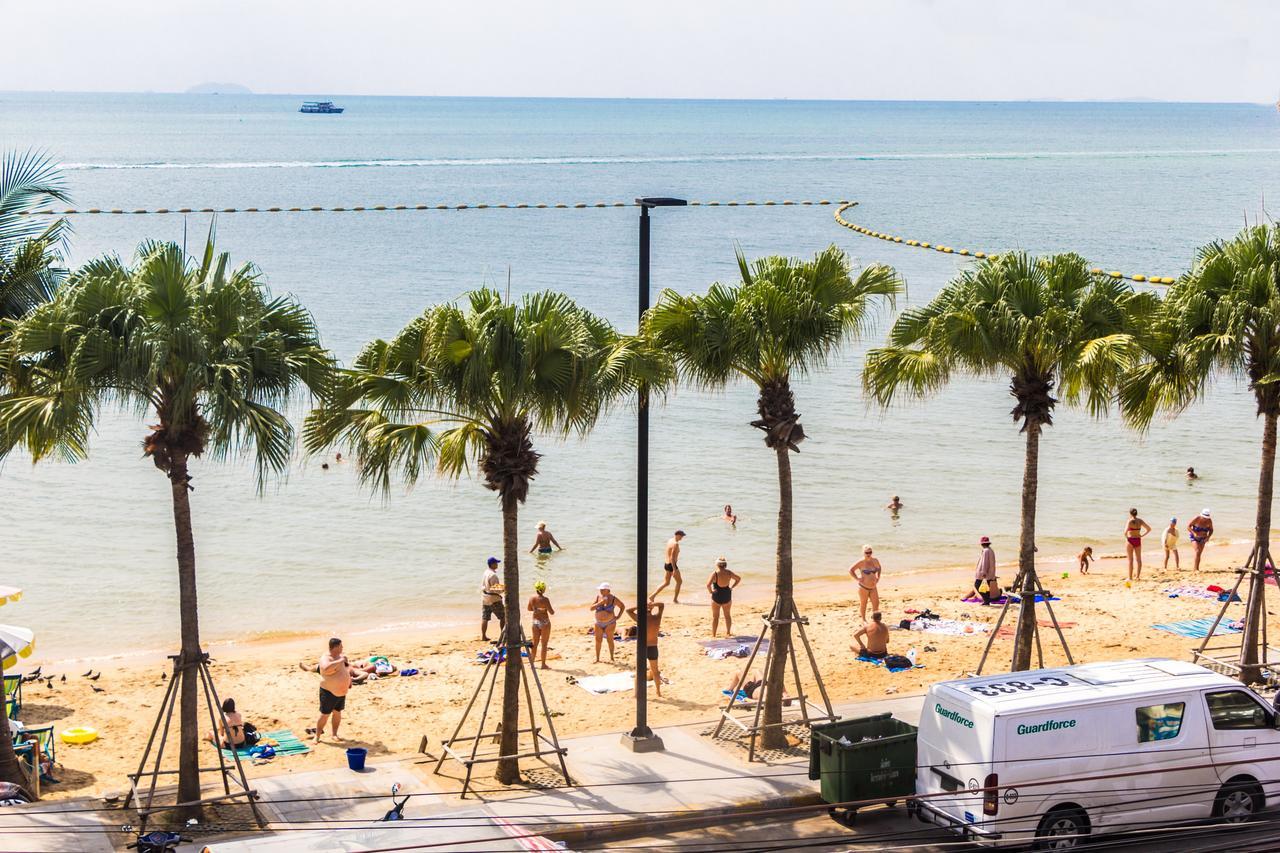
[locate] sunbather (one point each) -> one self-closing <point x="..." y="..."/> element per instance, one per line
<point x="877" y="638"/>
<point x="233" y="734"/>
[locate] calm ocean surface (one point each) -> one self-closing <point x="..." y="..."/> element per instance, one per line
<point x="1134" y="187"/>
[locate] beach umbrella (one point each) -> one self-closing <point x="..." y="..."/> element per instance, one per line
<point x="9" y="593"/>
<point x="15" y="642"/>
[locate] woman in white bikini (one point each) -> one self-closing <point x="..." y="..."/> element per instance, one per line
<point x="867" y="573"/>
<point x="542" y="611"/>
<point x="607" y="608"/>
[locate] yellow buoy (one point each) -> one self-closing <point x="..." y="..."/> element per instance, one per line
<point x="1116" y="274"/>
<point x="1139" y="277"/>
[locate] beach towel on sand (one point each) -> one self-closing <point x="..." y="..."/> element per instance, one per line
<point x="1198" y="628"/>
<point x="732" y="647"/>
<point x="880" y="662"/>
<point x="611" y="683"/>
<point x="287" y="740"/>
<point x="949" y="627"/>
<point x="1189" y="591"/>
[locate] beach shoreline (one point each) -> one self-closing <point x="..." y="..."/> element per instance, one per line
<point x="1108" y="620"/>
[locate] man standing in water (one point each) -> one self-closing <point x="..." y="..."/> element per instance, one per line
<point x="651" y="641"/>
<point x="984" y="573"/>
<point x="491" y="599"/>
<point x="671" y="565"/>
<point x="543" y="541"/>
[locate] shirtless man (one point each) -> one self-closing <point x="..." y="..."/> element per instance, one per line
<point x="651" y="640"/>
<point x="876" y="634"/>
<point x="335" y="681"/>
<point x="671" y="565"/>
<point x="894" y="504"/>
<point x="543" y="541"/>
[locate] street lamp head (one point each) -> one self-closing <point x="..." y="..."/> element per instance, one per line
<point x="661" y="201"/>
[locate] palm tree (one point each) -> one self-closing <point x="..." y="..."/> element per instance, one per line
<point x="784" y="318"/>
<point x="1224" y="315"/>
<point x="1042" y="322"/>
<point x="30" y="270"/>
<point x="30" y="260"/>
<point x="206" y="351"/>
<point x="472" y="383"/>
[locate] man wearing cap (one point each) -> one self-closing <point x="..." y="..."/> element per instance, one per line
<point x="491" y="598"/>
<point x="671" y="566"/>
<point x="985" y="571"/>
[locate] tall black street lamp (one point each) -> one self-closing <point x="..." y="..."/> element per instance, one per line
<point x="641" y="738"/>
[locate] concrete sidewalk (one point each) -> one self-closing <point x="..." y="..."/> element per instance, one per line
<point x="616" y="793"/>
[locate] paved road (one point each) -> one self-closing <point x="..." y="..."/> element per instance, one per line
<point x="891" y="830"/>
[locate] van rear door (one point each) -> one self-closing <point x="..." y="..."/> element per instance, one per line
<point x="954" y="755"/>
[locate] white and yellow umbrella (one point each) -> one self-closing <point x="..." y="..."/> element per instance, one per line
<point x="9" y="593"/>
<point x="15" y="643"/>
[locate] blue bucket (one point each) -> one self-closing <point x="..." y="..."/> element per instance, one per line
<point x="355" y="757"/>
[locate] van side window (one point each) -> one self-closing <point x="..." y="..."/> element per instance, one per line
<point x="1233" y="709"/>
<point x="1160" y="722"/>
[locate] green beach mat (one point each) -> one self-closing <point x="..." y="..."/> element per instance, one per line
<point x="289" y="745"/>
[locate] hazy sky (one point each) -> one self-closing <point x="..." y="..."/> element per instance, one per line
<point x="1211" y="50"/>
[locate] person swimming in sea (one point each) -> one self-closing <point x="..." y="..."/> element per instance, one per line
<point x="1191" y="473"/>
<point x="543" y="540"/>
<point x="893" y="505"/>
<point x="729" y="515"/>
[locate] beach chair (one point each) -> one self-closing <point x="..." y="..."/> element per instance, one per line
<point x="12" y="696"/>
<point x="44" y="734"/>
<point x="26" y="752"/>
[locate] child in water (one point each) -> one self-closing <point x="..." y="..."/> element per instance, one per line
<point x="1085" y="557"/>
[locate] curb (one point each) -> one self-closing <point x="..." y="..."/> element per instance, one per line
<point x="578" y="833"/>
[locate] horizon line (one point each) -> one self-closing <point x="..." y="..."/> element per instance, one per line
<point x="1135" y="99"/>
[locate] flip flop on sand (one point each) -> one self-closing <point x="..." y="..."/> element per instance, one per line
<point x="311" y="731"/>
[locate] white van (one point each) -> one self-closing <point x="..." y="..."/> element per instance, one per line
<point x="1053" y="755"/>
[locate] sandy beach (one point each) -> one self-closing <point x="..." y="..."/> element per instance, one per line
<point x="391" y="715"/>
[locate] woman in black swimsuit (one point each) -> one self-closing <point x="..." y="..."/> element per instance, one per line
<point x="720" y="585"/>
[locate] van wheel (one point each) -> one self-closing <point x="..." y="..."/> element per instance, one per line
<point x="1238" y="802"/>
<point x="1062" y="829"/>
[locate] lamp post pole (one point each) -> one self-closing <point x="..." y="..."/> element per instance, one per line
<point x="641" y="738"/>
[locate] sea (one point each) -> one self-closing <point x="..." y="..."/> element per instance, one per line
<point x="1135" y="187"/>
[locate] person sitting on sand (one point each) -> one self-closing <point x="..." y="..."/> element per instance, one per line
<point x="867" y="573"/>
<point x="540" y="607"/>
<point x="1171" y="544"/>
<point x="1135" y="528"/>
<point x="720" y="585"/>
<point x="652" y="631"/>
<point x="543" y="540"/>
<point x="876" y="634"/>
<point x="233" y="731"/>
<point x="1085" y="557"/>
<point x="1200" y="529"/>
<point x="729" y="515"/>
<point x="607" y="608"/>
<point x="893" y="505"/>
<point x="984" y="573"/>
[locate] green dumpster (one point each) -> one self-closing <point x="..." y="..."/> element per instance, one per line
<point x="865" y="759"/>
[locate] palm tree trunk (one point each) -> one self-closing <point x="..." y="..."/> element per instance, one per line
<point x="188" y="695"/>
<point x="1255" y="613"/>
<point x="10" y="769"/>
<point x="1025" y="635"/>
<point x="509" y="768"/>
<point x="775" y="679"/>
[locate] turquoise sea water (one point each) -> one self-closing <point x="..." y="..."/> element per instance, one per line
<point x="1134" y="187"/>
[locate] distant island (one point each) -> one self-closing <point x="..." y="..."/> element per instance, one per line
<point x="219" y="89"/>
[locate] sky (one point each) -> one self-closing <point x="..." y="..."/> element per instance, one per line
<point x="1211" y="50"/>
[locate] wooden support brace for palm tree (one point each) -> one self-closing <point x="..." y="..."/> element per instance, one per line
<point x="1029" y="586"/>
<point x="544" y="743"/>
<point x="1249" y="660"/>
<point x="825" y="712"/>
<point x="228" y="774"/>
